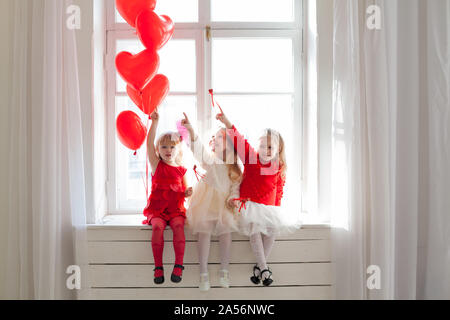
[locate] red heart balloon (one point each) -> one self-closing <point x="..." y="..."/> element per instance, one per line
<point x="135" y="96"/>
<point x="130" y="129"/>
<point x="152" y="95"/>
<point x="130" y="9"/>
<point x="137" y="70"/>
<point x="153" y="30"/>
<point x="155" y="93"/>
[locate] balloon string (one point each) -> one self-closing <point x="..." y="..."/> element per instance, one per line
<point x="197" y="174"/>
<point x="146" y="164"/>
<point x="213" y="101"/>
<point x="145" y="180"/>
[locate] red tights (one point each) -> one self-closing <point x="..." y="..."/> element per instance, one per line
<point x="179" y="242"/>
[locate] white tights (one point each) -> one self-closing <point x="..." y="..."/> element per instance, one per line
<point x="262" y="247"/>
<point x="204" y="244"/>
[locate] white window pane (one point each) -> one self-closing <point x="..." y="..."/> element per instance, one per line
<point x="253" y="10"/>
<point x="177" y="10"/>
<point x="253" y="65"/>
<point x="252" y="114"/>
<point x="131" y="45"/>
<point x="130" y="169"/>
<point x="178" y="63"/>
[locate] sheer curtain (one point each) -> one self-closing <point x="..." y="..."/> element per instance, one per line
<point x="47" y="215"/>
<point x="391" y="150"/>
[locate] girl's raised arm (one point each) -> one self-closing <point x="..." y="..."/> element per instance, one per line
<point x="152" y="155"/>
<point x="197" y="148"/>
<point x="246" y="153"/>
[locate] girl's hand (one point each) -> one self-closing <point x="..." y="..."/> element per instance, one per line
<point x="155" y="116"/>
<point x="187" y="124"/>
<point x="232" y="204"/>
<point x="188" y="193"/>
<point x="223" y="118"/>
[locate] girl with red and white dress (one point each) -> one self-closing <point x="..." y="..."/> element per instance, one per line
<point x="261" y="193"/>
<point x="166" y="203"/>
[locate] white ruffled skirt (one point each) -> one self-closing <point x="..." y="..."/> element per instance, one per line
<point x="268" y="220"/>
<point x="207" y="212"/>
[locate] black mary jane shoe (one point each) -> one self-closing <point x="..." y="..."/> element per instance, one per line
<point x="256" y="279"/>
<point x="175" y="278"/>
<point x="159" y="280"/>
<point x="267" y="281"/>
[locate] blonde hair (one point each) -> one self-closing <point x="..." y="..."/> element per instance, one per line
<point x="269" y="134"/>
<point x="171" y="139"/>
<point x="234" y="170"/>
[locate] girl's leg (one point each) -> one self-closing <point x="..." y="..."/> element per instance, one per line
<point x="268" y="242"/>
<point x="225" y="246"/>
<point x="204" y="244"/>
<point x="158" y="226"/>
<point x="258" y="250"/>
<point x="179" y="243"/>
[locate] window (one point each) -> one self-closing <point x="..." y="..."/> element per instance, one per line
<point x="249" y="51"/>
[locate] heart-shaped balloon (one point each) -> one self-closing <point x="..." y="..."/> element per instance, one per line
<point x="155" y="93"/>
<point x="153" y="30"/>
<point x="135" y="96"/>
<point x="152" y="95"/>
<point x="137" y="70"/>
<point x="130" y="9"/>
<point x="130" y="130"/>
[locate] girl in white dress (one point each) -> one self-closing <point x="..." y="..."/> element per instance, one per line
<point x="212" y="209"/>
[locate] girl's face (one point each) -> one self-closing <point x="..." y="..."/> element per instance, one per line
<point x="168" y="151"/>
<point x="268" y="149"/>
<point x="218" y="142"/>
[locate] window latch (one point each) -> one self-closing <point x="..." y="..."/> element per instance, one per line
<point x="208" y="33"/>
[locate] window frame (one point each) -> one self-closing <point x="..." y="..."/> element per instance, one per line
<point x="197" y="31"/>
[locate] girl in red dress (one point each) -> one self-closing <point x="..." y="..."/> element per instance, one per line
<point x="166" y="202"/>
<point x="261" y="193"/>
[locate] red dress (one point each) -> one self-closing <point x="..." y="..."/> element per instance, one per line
<point x="262" y="183"/>
<point x="167" y="198"/>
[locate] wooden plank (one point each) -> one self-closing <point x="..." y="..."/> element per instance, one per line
<point x="125" y="276"/>
<point x="144" y="234"/>
<point x="140" y="252"/>
<point x="189" y="294"/>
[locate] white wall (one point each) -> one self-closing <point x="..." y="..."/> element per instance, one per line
<point x="5" y="38"/>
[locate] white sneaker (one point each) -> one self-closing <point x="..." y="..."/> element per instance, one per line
<point x="224" y="279"/>
<point x="204" y="282"/>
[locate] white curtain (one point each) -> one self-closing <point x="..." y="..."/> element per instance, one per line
<point x="47" y="190"/>
<point x="391" y="150"/>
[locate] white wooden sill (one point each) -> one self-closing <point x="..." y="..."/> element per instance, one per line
<point x="121" y="265"/>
